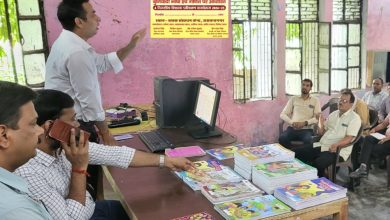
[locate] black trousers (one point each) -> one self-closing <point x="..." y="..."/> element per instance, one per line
<point x="93" y="170"/>
<point x="291" y="134"/>
<point x="314" y="157"/>
<point x="371" y="147"/>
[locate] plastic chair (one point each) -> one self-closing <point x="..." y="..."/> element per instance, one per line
<point x="373" y="117"/>
<point x="388" y="170"/>
<point x="333" y="105"/>
<point x="349" y="162"/>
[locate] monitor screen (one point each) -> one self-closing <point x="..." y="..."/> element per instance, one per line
<point x="206" y="109"/>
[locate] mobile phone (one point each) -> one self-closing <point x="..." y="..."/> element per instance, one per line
<point x="61" y="131"/>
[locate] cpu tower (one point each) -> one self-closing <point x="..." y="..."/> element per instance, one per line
<point x="174" y="100"/>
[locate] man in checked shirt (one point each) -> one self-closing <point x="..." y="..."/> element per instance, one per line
<point x="57" y="175"/>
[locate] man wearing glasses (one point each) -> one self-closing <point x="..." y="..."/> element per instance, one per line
<point x="339" y="130"/>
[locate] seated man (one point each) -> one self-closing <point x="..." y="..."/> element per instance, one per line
<point x="57" y="175"/>
<point x="375" y="98"/>
<point x="300" y="114"/>
<point x="18" y="140"/>
<point x="373" y="146"/>
<point x="338" y="131"/>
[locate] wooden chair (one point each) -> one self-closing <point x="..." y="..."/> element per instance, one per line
<point x="349" y="162"/>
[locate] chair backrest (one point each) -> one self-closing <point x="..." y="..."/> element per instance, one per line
<point x="333" y="105"/>
<point x="348" y="163"/>
<point x="373" y="117"/>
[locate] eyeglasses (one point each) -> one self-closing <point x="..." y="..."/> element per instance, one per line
<point x="343" y="101"/>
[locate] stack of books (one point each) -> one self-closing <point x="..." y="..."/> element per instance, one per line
<point x="252" y="208"/>
<point x="246" y="158"/>
<point x="310" y="193"/>
<point x="269" y="176"/>
<point x="223" y="192"/>
<point x="226" y="152"/>
<point x="206" y="173"/>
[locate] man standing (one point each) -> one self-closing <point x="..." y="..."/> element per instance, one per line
<point x="375" y="98"/>
<point x="18" y="140"/>
<point x="300" y="114"/>
<point x="73" y="66"/>
<point x="338" y="131"/>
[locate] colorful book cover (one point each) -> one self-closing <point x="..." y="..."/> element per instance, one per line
<point x="282" y="168"/>
<point x="309" y="189"/>
<point x="252" y="208"/>
<point x="230" y="190"/>
<point x="254" y="153"/>
<point x="196" y="216"/>
<point x="226" y="152"/>
<point x="278" y="147"/>
<point x="208" y="172"/>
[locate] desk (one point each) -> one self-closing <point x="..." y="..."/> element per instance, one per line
<point x="153" y="193"/>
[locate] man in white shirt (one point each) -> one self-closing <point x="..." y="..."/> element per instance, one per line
<point x="375" y="98"/>
<point x="57" y="175"/>
<point x="73" y="66"/>
<point x="300" y="114"/>
<point x="18" y="139"/>
<point x="339" y="130"/>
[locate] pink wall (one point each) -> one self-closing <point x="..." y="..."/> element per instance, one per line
<point x="252" y="123"/>
<point x="378" y="25"/>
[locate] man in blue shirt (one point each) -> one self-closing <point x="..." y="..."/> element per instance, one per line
<point x="18" y="140"/>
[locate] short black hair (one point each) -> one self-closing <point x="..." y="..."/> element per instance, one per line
<point x="50" y="103"/>
<point x="68" y="10"/>
<point x="308" y="80"/>
<point x="12" y="97"/>
<point x="380" y="79"/>
<point x="348" y="92"/>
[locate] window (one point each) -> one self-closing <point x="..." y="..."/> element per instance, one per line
<point x="252" y="50"/>
<point x="23" y="43"/>
<point x="346" y="44"/>
<point x="307" y="47"/>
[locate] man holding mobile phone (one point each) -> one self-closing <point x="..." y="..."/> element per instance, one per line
<point x="73" y="66"/>
<point x="18" y="141"/>
<point x="58" y="178"/>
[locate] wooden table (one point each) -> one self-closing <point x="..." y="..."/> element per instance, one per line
<point x="152" y="193"/>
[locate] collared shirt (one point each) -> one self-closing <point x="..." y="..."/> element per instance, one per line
<point x="72" y="67"/>
<point x="49" y="179"/>
<point x="338" y="127"/>
<point x="299" y="110"/>
<point x="385" y="109"/>
<point x="14" y="200"/>
<point x="375" y="100"/>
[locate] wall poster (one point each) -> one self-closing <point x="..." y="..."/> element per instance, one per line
<point x="189" y="19"/>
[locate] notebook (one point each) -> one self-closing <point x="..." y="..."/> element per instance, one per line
<point x="190" y="151"/>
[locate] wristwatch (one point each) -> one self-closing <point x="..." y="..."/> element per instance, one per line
<point x="162" y="161"/>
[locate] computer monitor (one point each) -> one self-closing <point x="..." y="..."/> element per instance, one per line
<point x="206" y="110"/>
<point x="174" y="100"/>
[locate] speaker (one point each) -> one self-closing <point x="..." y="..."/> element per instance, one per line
<point x="174" y="100"/>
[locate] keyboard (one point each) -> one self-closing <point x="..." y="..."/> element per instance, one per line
<point x="155" y="141"/>
<point x="124" y="122"/>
